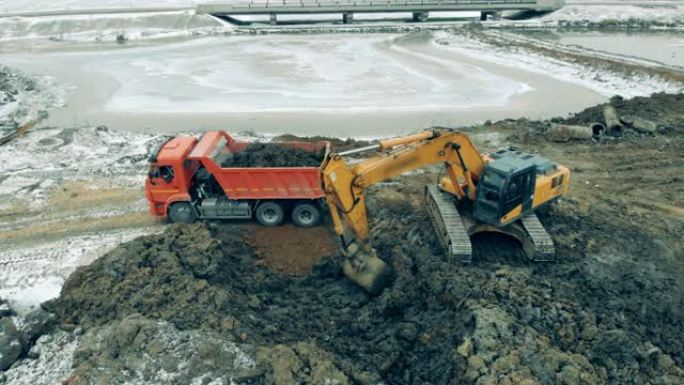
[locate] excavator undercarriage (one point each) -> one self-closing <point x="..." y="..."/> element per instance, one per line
<point x="454" y="229"/>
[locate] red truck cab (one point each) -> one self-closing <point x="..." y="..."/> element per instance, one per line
<point x="187" y="182"/>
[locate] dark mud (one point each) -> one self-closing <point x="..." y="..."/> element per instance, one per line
<point x="440" y="323"/>
<point x="273" y="155"/>
<point x="609" y="310"/>
<point x="12" y="86"/>
<point x="221" y="288"/>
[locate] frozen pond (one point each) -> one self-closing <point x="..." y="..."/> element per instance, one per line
<point x="663" y="47"/>
<point x="348" y="84"/>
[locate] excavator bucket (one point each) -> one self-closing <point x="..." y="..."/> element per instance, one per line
<point x="367" y="270"/>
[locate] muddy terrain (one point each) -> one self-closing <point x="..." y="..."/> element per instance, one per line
<point x="19" y="101"/>
<point x="273" y="155"/>
<point x="218" y="302"/>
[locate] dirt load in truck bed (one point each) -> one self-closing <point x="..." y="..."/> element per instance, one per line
<point x="274" y="155"/>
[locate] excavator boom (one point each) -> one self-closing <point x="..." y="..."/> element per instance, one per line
<point x="345" y="184"/>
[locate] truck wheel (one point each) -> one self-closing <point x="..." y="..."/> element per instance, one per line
<point x="306" y="215"/>
<point x="270" y="214"/>
<point x="182" y="212"/>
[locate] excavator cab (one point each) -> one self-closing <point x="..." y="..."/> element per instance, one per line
<point x="504" y="196"/>
<point x="506" y="189"/>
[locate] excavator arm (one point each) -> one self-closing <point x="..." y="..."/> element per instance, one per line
<point x="345" y="186"/>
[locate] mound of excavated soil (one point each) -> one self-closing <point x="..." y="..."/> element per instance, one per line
<point x="664" y="109"/>
<point x="609" y="310"/>
<point x="168" y="276"/>
<point x="273" y="155"/>
<point x="440" y="323"/>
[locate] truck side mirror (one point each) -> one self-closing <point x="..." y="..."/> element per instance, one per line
<point x="154" y="173"/>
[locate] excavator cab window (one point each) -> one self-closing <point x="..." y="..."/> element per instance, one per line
<point x="519" y="191"/>
<point x="489" y="195"/>
<point x="492" y="195"/>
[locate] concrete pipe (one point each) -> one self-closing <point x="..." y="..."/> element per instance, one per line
<point x="613" y="124"/>
<point x="597" y="129"/>
<point x="644" y="126"/>
<point x="565" y="133"/>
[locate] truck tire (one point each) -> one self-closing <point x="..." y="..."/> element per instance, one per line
<point x="270" y="214"/>
<point x="306" y="215"/>
<point x="181" y="212"/>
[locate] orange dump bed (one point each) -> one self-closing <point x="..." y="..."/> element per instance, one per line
<point x="259" y="182"/>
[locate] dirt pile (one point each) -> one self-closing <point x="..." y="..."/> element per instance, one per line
<point x="13" y="88"/>
<point x="169" y="276"/>
<point x="291" y="249"/>
<point x="610" y="310"/>
<point x="18" y="333"/>
<point x="439" y="323"/>
<point x="196" y="278"/>
<point x="663" y="109"/>
<point x="273" y="155"/>
<point x="139" y="350"/>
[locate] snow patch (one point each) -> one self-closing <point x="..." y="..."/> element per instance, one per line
<point x="600" y="13"/>
<point x="601" y="81"/>
<point x="111" y="27"/>
<point x="52" y="365"/>
<point x="31" y="275"/>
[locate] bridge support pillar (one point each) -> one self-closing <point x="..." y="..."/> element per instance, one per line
<point x="347" y="17"/>
<point x="420" y="16"/>
<point x="273" y="18"/>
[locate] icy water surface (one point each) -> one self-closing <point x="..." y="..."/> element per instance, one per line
<point x="363" y="85"/>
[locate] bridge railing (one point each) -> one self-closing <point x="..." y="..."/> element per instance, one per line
<point x="365" y="3"/>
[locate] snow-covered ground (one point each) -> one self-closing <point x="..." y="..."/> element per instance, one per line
<point x="67" y="196"/>
<point x="599" y="13"/>
<point x="601" y="81"/>
<point x="50" y="5"/>
<point x="109" y="27"/>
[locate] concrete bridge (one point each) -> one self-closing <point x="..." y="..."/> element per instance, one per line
<point x="419" y="8"/>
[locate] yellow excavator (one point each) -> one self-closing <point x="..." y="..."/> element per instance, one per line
<point x="497" y="191"/>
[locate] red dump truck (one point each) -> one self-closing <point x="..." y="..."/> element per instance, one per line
<point x="187" y="181"/>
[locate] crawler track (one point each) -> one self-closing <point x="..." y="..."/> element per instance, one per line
<point x="544" y="249"/>
<point x="448" y="224"/>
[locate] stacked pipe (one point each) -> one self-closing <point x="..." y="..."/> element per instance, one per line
<point x="614" y="126"/>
